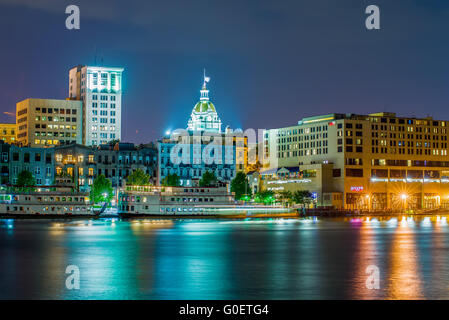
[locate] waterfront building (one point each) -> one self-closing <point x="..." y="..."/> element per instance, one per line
<point x="8" y="132"/>
<point x="83" y="164"/>
<point x="38" y="161"/>
<point x="202" y="147"/>
<point x="375" y="161"/>
<point x="77" y="162"/>
<point x="192" y="158"/>
<point x="4" y="162"/>
<point x="118" y="161"/>
<point x="100" y="90"/>
<point x="48" y="122"/>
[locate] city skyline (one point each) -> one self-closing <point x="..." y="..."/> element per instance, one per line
<point x="271" y="68"/>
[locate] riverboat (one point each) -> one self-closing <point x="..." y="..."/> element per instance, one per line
<point x="44" y="202"/>
<point x="142" y="201"/>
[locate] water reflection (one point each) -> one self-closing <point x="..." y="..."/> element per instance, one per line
<point x="404" y="281"/>
<point x="366" y="255"/>
<point x="242" y="259"/>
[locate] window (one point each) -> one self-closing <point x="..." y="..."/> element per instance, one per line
<point x="354" y="172"/>
<point x="336" y="173"/>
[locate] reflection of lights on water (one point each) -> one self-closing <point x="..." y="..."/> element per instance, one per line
<point x="392" y="222"/>
<point x="151" y="224"/>
<point x="426" y="222"/>
<point x="404" y="222"/>
<point x="271" y="221"/>
<point x="10" y="223"/>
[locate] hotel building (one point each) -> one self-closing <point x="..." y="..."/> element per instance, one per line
<point x="48" y="122"/>
<point x="8" y="132"/>
<point x="377" y="161"/>
<point x="100" y="90"/>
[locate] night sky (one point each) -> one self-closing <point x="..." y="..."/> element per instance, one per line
<point x="270" y="62"/>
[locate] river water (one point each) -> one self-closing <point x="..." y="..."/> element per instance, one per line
<point x="306" y="258"/>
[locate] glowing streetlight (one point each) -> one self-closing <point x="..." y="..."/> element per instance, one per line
<point x="404" y="200"/>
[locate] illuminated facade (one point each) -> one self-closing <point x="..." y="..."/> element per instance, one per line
<point x="8" y="132"/>
<point x="203" y="147"/>
<point x="100" y="89"/>
<point x="191" y="159"/>
<point x="83" y="164"/>
<point x="48" y="122"/>
<point x="376" y="161"/>
<point x="204" y="116"/>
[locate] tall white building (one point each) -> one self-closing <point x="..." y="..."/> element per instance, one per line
<point x="100" y="89"/>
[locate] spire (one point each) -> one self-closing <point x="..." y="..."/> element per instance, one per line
<point x="204" y="91"/>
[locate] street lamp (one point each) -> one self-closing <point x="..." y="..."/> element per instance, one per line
<point x="368" y="199"/>
<point x="404" y="200"/>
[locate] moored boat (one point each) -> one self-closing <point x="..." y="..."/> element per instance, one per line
<point x="44" y="202"/>
<point x="143" y="201"/>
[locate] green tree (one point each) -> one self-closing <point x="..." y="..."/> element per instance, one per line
<point x="25" y="179"/>
<point x="266" y="196"/>
<point x="285" y="196"/>
<point x="171" y="180"/>
<point x="240" y="185"/>
<point x="138" y="178"/>
<point x="302" y="197"/>
<point x="101" y="190"/>
<point x="208" y="179"/>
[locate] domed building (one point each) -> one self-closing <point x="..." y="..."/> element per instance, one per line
<point x="204" y="116"/>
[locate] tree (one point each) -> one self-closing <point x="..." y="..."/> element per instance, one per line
<point x="101" y="190"/>
<point x="302" y="197"/>
<point x="285" y="196"/>
<point x="266" y="196"/>
<point x="208" y="179"/>
<point x="138" y="178"/>
<point x="25" y="179"/>
<point x="240" y="185"/>
<point x="171" y="180"/>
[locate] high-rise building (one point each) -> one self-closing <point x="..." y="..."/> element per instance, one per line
<point x="100" y="90"/>
<point x="48" y="122"/>
<point x="8" y="132"/>
<point x="375" y="161"/>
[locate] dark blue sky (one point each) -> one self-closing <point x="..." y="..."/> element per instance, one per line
<point x="270" y="62"/>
